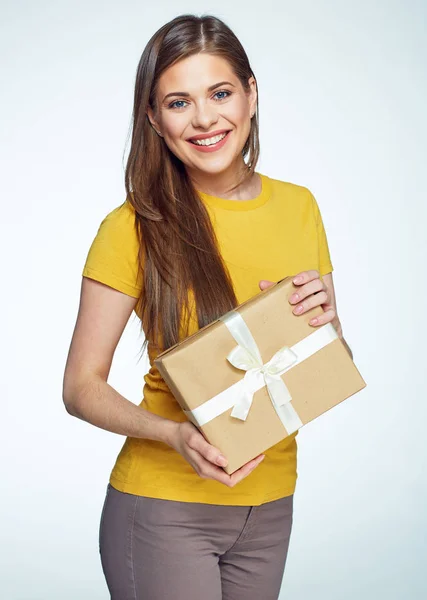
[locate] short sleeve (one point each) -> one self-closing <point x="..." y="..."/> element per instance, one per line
<point x="113" y="255"/>
<point x="325" y="264"/>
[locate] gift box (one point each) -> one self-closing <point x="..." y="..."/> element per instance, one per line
<point x="258" y="374"/>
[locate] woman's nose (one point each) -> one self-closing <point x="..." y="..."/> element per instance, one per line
<point x="204" y="116"/>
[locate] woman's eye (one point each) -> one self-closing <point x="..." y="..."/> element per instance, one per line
<point x="223" y="92"/>
<point x="172" y="105"/>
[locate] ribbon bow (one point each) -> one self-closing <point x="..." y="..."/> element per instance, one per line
<point x="246" y="356"/>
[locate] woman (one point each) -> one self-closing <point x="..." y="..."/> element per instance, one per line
<point x="200" y="232"/>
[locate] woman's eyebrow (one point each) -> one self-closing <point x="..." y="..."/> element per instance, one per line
<point x="210" y="89"/>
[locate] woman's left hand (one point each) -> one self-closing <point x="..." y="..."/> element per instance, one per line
<point x="312" y="292"/>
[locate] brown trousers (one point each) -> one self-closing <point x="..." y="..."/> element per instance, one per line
<point x="155" y="549"/>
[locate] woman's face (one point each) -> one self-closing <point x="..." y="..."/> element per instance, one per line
<point x="200" y="97"/>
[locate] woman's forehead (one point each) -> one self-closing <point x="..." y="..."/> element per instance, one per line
<point x="196" y="72"/>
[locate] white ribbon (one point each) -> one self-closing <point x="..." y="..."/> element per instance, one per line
<point x="246" y="356"/>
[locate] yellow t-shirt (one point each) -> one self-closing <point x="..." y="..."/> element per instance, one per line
<point x="277" y="234"/>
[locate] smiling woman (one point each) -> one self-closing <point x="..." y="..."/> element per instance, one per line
<point x="222" y="110"/>
<point x="200" y="231"/>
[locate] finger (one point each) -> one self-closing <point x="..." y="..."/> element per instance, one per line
<point x="305" y="277"/>
<point x="310" y="302"/>
<point x="265" y="283"/>
<point x="206" y="469"/>
<point x="326" y="317"/>
<point x="244" y="471"/>
<point x="210" y="453"/>
<point x="307" y="289"/>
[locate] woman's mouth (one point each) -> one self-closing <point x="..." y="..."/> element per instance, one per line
<point x="210" y="144"/>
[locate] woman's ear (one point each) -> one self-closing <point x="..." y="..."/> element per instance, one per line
<point x="252" y="96"/>
<point x="153" y="122"/>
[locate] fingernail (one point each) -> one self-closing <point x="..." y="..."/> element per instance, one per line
<point x="298" y="309"/>
<point x="294" y="298"/>
<point x="297" y="280"/>
<point x="314" y="321"/>
<point x="221" y="460"/>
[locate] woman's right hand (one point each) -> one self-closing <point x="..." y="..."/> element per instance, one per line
<point x="205" y="458"/>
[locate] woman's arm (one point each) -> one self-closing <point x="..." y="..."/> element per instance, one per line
<point x="102" y="317"/>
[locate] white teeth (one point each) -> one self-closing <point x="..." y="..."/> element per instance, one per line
<point x="210" y="141"/>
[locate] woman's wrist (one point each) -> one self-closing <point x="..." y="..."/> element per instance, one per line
<point x="168" y="432"/>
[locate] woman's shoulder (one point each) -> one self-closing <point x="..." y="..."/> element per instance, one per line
<point x="118" y="226"/>
<point x="121" y="215"/>
<point x="117" y="230"/>
<point x="291" y="195"/>
<point x="113" y="255"/>
<point x="289" y="188"/>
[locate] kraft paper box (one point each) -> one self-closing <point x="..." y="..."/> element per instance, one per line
<point x="258" y="373"/>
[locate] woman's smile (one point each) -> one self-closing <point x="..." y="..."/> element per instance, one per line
<point x="210" y="144"/>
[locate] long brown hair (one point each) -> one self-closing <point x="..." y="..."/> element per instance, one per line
<point x="178" y="251"/>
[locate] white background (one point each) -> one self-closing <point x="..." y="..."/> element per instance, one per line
<point x="342" y="88"/>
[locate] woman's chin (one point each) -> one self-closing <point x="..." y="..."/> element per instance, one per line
<point x="215" y="166"/>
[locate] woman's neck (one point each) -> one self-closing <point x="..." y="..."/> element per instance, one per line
<point x="219" y="185"/>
